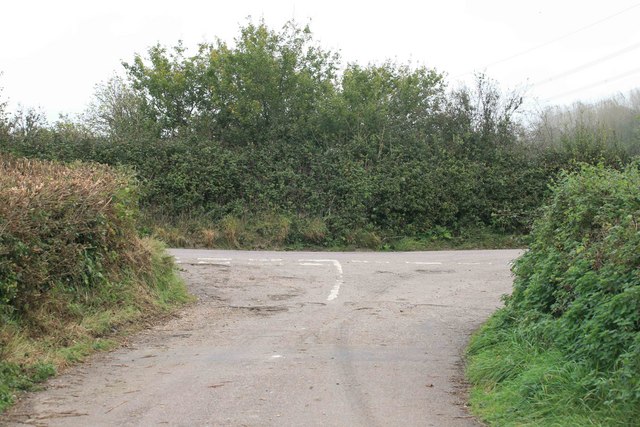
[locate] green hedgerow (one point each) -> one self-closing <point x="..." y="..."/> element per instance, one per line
<point x="575" y="304"/>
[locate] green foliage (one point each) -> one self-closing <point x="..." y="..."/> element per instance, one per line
<point x="581" y="273"/>
<point x="519" y="382"/>
<point x="62" y="227"/>
<point x="576" y="299"/>
<point x="267" y="87"/>
<point x="118" y="113"/>
<point x="311" y="230"/>
<point x="14" y="377"/>
<point x="268" y="124"/>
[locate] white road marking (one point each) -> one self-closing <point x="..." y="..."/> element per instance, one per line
<point x="310" y="263"/>
<point x="276" y="356"/>
<point x="336" y="288"/>
<point x="265" y="259"/>
<point x="316" y="260"/>
<point x="215" y="262"/>
<point x="339" y="277"/>
<point x="474" y="263"/>
<point x="423" y="263"/>
<point x="360" y="261"/>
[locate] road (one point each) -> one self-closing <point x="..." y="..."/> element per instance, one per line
<point x="294" y="339"/>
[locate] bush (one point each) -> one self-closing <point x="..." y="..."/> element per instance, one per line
<point x="580" y="280"/>
<point x="69" y="228"/>
<point x="72" y="268"/>
<point x="577" y="290"/>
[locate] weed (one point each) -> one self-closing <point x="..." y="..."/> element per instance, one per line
<point x="209" y="237"/>
<point x="312" y="230"/>
<point x="364" y="239"/>
<point x="232" y="227"/>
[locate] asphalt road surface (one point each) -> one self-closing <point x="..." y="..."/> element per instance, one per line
<point x="294" y="339"/>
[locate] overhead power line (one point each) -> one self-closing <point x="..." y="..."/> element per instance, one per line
<point x="562" y="37"/>
<point x="599" y="83"/>
<point x="588" y="64"/>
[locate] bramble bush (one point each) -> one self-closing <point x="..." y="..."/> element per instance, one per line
<point x="570" y="332"/>
<point x="579" y="284"/>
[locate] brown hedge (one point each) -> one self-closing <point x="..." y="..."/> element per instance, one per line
<point x="64" y="227"/>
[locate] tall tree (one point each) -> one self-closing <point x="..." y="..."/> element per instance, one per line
<point x="117" y="112"/>
<point x="268" y="86"/>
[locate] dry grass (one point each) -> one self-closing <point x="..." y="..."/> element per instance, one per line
<point x="209" y="237"/>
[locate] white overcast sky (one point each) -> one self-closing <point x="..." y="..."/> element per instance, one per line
<point x="52" y="53"/>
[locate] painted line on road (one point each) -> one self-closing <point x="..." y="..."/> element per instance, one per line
<point x="213" y="261"/>
<point x="336" y="288"/>
<point x="311" y="263"/>
<point x="423" y="263"/>
<point x="339" y="276"/>
<point x="265" y="259"/>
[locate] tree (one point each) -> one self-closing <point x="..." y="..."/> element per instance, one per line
<point x="4" y="119"/>
<point x="166" y="87"/>
<point x="268" y="86"/>
<point x="480" y="122"/>
<point x="607" y="129"/>
<point x="387" y="105"/>
<point x="117" y="113"/>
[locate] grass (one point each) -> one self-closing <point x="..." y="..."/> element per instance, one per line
<point x="14" y="377"/>
<point x="517" y="380"/>
<point x="281" y="232"/>
<point x="36" y="348"/>
<point x="478" y="238"/>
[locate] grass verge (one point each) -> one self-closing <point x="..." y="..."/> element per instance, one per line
<point x="37" y="346"/>
<point x="518" y="380"/>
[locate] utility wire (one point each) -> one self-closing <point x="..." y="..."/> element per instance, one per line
<point x="588" y="65"/>
<point x="547" y="43"/>
<point x="592" y="85"/>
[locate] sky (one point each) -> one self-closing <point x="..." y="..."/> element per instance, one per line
<point x="53" y="53"/>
